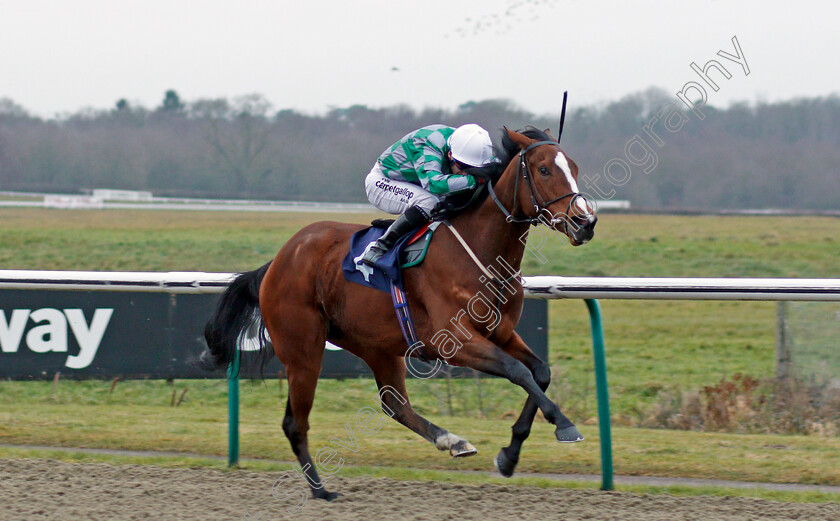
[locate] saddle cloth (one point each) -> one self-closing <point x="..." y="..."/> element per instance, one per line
<point x="410" y="250"/>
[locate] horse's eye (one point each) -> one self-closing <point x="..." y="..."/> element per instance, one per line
<point x="544" y="170"/>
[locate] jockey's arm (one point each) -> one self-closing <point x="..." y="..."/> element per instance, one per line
<point x="429" y="167"/>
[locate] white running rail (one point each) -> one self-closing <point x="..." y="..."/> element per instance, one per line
<point x="548" y="287"/>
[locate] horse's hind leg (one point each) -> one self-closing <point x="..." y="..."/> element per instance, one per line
<point x="389" y="372"/>
<point x="302" y="383"/>
<point x="299" y="344"/>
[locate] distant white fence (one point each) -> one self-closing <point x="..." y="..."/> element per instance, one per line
<point x="107" y="194"/>
<point x="77" y="202"/>
<point x="72" y="202"/>
<point x="611" y="204"/>
<point x="137" y="200"/>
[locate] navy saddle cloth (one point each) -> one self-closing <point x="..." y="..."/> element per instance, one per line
<point x="408" y="251"/>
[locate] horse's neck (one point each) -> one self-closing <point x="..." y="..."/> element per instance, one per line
<point x="487" y="232"/>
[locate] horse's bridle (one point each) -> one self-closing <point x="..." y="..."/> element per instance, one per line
<point x="540" y="205"/>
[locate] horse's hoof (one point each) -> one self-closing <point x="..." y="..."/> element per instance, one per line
<point x="462" y="449"/>
<point x="504" y="464"/>
<point x="327" y="496"/>
<point x="569" y="434"/>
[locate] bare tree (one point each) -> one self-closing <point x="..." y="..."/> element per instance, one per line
<point x="239" y="135"/>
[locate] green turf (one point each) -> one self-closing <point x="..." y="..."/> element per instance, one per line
<point x="651" y="345"/>
<point x="139" y="416"/>
<point x="624" y="245"/>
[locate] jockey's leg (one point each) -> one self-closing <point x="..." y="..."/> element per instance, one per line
<point x="412" y="219"/>
<point x="396" y="197"/>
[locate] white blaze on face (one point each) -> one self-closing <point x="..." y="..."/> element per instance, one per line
<point x="563" y="163"/>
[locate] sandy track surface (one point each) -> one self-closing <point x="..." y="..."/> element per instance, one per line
<point x="42" y="489"/>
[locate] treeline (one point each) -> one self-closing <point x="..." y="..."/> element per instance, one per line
<point x="770" y="155"/>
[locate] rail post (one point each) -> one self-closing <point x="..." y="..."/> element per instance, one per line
<point x="600" y="356"/>
<point x="233" y="410"/>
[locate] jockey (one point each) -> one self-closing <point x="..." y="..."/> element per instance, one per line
<point x="417" y="171"/>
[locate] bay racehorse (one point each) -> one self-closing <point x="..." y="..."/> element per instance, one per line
<point x="304" y="301"/>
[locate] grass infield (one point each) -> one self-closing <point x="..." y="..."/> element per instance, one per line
<point x="651" y="346"/>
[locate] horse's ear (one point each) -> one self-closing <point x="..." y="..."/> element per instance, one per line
<point x="548" y="131"/>
<point x="521" y="140"/>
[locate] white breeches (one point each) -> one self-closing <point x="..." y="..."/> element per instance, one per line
<point x="395" y="197"/>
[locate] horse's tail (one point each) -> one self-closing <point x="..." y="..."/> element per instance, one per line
<point x="235" y="312"/>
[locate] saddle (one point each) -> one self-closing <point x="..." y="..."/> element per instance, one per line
<point x="410" y="250"/>
<point x="415" y="248"/>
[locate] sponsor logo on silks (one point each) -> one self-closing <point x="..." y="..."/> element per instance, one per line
<point x="386" y="186"/>
<point x="49" y="335"/>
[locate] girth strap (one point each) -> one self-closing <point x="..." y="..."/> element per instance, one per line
<point x="406" y="322"/>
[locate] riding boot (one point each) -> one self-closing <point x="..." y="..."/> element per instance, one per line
<point x="413" y="218"/>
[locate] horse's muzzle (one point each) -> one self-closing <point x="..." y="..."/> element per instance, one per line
<point x="581" y="229"/>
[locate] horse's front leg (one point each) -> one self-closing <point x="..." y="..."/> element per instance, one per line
<point x="508" y="456"/>
<point x="482" y="355"/>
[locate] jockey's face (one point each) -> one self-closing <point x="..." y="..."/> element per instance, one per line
<point x="455" y="166"/>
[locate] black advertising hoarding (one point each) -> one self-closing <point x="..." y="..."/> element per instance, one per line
<point x="131" y="335"/>
<point x="99" y="334"/>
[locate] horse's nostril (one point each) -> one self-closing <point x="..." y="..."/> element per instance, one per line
<point x="581" y="221"/>
<point x="586" y="222"/>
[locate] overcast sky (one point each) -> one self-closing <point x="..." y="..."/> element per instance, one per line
<point x="59" y="56"/>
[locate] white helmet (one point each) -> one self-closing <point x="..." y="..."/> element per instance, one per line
<point x="471" y="145"/>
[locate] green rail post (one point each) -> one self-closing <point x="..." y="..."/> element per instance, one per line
<point x="233" y="410"/>
<point x="599" y="353"/>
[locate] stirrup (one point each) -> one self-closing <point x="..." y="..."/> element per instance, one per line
<point x="373" y="254"/>
<point x="413" y="217"/>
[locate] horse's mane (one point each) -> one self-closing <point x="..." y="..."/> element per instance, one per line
<point x="505" y="153"/>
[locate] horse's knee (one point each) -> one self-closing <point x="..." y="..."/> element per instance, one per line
<point x="289" y="427"/>
<point x="518" y="373"/>
<point x="542" y="374"/>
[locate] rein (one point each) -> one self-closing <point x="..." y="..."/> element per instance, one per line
<point x="539" y="207"/>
